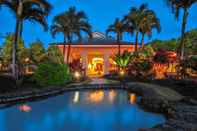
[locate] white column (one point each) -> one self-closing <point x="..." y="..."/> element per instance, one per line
<point x="85" y="61"/>
<point x="106" y="63"/>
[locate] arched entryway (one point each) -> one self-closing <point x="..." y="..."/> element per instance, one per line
<point x="96" y="65"/>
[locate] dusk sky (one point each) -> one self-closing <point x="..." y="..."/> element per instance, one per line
<point x="101" y="13"/>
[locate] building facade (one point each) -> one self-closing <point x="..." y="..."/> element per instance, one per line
<point x="96" y="55"/>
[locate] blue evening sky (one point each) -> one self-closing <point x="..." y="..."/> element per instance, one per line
<point x="101" y="13"/>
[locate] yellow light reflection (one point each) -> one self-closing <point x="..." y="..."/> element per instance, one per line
<point x="112" y="95"/>
<point x="96" y="96"/>
<point x="76" y="97"/>
<point x="133" y="98"/>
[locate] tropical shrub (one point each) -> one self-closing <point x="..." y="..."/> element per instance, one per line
<point x="146" y="53"/>
<point x="193" y="62"/>
<point x="161" y="57"/>
<point x="169" y="45"/>
<point x="76" y="65"/>
<point x="123" y="60"/>
<point x="6" y="51"/>
<point x="49" y="73"/>
<point x="37" y="52"/>
<point x="141" y="68"/>
<point x="54" y="55"/>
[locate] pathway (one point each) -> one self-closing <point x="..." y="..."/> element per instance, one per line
<point x="102" y="81"/>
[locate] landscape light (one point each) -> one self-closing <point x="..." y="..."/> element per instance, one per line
<point x="77" y="75"/>
<point x="122" y="73"/>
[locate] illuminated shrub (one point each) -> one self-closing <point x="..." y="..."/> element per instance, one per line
<point x="49" y="73"/>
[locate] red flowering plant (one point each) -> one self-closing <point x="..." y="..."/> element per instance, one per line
<point x="76" y="66"/>
<point x="161" y="57"/>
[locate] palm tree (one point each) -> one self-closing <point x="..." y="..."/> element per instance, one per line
<point x="134" y="20"/>
<point x="119" y="28"/>
<point x="176" y="6"/>
<point x="71" y="23"/>
<point x="149" y="23"/>
<point x="31" y="10"/>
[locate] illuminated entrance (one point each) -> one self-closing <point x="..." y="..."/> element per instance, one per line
<point x="95" y="65"/>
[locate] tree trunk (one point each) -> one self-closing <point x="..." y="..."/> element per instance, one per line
<point x="21" y="30"/>
<point x="118" y="42"/>
<point x="64" y="47"/>
<point x="136" y="41"/>
<point x="68" y="53"/>
<point x="142" y="42"/>
<point x="182" y="44"/>
<point x="16" y="40"/>
<point x="68" y="50"/>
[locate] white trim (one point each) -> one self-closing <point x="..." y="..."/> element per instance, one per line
<point x="97" y="45"/>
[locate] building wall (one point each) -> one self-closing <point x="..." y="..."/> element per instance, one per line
<point x="87" y="51"/>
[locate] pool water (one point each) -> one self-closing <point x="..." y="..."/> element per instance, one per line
<point x="89" y="110"/>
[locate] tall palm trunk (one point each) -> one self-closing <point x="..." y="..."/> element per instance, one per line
<point x="68" y="53"/>
<point x="118" y="41"/>
<point x="16" y="40"/>
<point x="182" y="44"/>
<point x="136" y="41"/>
<point x="119" y="52"/>
<point x="142" y="42"/>
<point x="68" y="50"/>
<point x="64" y="48"/>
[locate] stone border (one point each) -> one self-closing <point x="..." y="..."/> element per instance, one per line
<point x="11" y="98"/>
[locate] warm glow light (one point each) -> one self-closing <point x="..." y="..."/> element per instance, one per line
<point x="97" y="59"/>
<point x="76" y="97"/>
<point x="25" y="108"/>
<point x="96" y="97"/>
<point x="89" y="66"/>
<point x="133" y="98"/>
<point x="95" y="66"/>
<point x="77" y="75"/>
<point x="122" y="73"/>
<point x="160" y="70"/>
<point x="26" y="60"/>
<point x="112" y="95"/>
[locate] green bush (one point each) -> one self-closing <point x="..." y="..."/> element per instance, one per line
<point x="49" y="73"/>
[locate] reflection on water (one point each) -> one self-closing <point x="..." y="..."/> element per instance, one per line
<point x="112" y="95"/>
<point x="110" y="110"/>
<point x="95" y="96"/>
<point x="133" y="98"/>
<point x="76" y="97"/>
<point x="24" y="108"/>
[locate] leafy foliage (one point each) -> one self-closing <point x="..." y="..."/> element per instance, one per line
<point x="37" y="52"/>
<point x="168" y="45"/>
<point x="54" y="55"/>
<point x="161" y="57"/>
<point x="146" y="53"/>
<point x="191" y="42"/>
<point x="7" y="50"/>
<point x="76" y="65"/>
<point x="141" y="68"/>
<point x="49" y="73"/>
<point x="123" y="60"/>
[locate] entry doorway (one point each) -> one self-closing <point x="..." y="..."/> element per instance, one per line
<point x="95" y="65"/>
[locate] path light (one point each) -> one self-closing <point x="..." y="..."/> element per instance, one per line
<point x="122" y="73"/>
<point x="77" y="75"/>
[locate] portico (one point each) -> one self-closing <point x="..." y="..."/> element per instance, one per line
<point x="96" y="56"/>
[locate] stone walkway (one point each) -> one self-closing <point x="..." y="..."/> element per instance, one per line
<point x="100" y="81"/>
